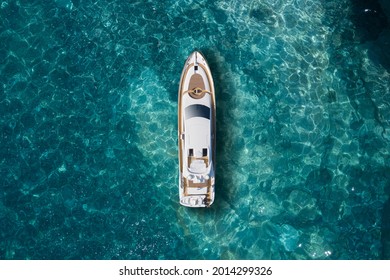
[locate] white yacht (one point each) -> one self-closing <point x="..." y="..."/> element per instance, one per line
<point x="196" y="133"/>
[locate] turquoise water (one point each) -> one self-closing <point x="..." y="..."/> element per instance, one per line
<point x="88" y="115"/>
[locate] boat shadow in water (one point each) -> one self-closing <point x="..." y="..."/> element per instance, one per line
<point x="224" y="89"/>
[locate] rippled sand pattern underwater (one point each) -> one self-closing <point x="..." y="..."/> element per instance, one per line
<point x="88" y="102"/>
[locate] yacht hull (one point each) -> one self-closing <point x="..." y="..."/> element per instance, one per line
<point x="196" y="128"/>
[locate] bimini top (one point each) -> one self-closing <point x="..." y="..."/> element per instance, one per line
<point x="196" y="121"/>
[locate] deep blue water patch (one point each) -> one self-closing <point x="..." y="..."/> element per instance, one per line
<point x="88" y="134"/>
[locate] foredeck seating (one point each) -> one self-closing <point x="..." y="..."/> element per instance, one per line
<point x="196" y="86"/>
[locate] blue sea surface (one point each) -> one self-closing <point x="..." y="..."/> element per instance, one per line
<point x="88" y="116"/>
